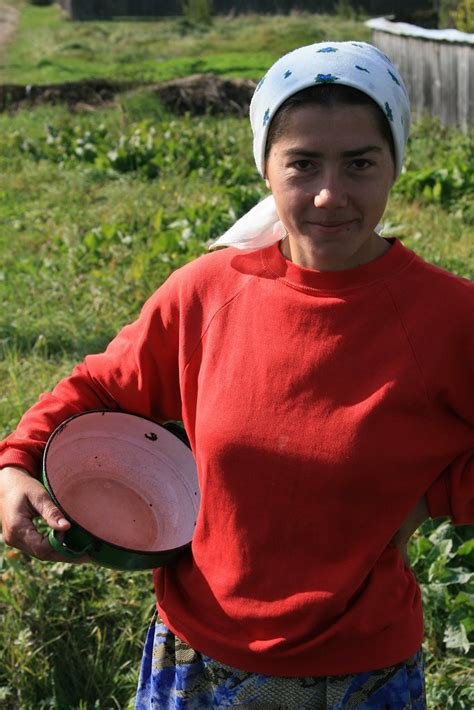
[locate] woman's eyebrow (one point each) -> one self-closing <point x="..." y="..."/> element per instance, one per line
<point x="346" y="153"/>
<point x="361" y="151"/>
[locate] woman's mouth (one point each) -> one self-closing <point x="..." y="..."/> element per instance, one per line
<point x="333" y="226"/>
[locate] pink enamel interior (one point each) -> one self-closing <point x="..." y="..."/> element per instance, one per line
<point x="125" y="480"/>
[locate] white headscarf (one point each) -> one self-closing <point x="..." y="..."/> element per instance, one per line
<point x="355" y="64"/>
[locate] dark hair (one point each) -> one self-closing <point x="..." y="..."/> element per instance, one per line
<point x="327" y="95"/>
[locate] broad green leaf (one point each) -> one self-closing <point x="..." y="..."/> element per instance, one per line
<point x="456" y="637"/>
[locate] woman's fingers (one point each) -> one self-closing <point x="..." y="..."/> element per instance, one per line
<point x="22" y="534"/>
<point x="23" y="498"/>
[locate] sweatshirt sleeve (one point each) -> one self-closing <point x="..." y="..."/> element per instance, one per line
<point x="452" y="387"/>
<point x="138" y="373"/>
<point x="452" y="493"/>
<point x="437" y="312"/>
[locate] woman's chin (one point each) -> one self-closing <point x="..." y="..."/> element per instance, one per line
<point x="333" y="249"/>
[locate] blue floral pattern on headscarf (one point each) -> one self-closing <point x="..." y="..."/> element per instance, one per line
<point x="325" y="79"/>
<point x="394" y="78"/>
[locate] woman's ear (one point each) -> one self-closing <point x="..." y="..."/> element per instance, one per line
<point x="267" y="183"/>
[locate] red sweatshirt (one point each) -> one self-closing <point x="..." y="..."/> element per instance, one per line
<point x="320" y="407"/>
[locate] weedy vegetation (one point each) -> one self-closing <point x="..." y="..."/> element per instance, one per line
<point x="96" y="209"/>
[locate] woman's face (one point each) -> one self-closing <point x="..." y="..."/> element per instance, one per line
<point x="330" y="174"/>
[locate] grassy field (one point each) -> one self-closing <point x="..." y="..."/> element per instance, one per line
<point x="50" y="49"/>
<point x="96" y="209"/>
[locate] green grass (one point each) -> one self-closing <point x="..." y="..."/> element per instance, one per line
<point x="83" y="243"/>
<point x="72" y="636"/>
<point x="50" y="49"/>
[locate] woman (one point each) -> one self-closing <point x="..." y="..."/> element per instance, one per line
<point x="325" y="389"/>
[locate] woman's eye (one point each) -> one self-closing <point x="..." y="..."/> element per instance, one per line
<point x="302" y="164"/>
<point x="361" y="163"/>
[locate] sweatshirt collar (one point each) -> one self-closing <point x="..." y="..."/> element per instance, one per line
<point x="383" y="267"/>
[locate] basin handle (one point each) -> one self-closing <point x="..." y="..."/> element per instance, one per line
<point x="63" y="549"/>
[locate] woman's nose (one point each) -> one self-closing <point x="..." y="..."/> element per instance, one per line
<point x="332" y="195"/>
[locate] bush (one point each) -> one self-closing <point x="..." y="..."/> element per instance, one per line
<point x="463" y="16"/>
<point x="197" y="12"/>
<point x="345" y="10"/>
<point x="446" y="9"/>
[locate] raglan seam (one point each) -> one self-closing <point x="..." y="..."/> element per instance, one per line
<point x="214" y="315"/>
<point x="408" y="339"/>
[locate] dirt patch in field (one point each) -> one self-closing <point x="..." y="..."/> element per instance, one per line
<point x="88" y="93"/>
<point x="207" y="94"/>
<point x="198" y="94"/>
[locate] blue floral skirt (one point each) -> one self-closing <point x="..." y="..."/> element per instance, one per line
<point x="173" y="676"/>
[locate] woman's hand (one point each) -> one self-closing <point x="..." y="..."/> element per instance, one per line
<point x="23" y="498"/>
<point x="412" y="522"/>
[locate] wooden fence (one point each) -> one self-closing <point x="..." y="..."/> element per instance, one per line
<point x="109" y="9"/>
<point x="437" y="65"/>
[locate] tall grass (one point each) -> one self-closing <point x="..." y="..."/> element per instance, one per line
<point x="70" y="637"/>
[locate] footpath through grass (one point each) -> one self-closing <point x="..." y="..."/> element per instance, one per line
<point x="96" y="209"/>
